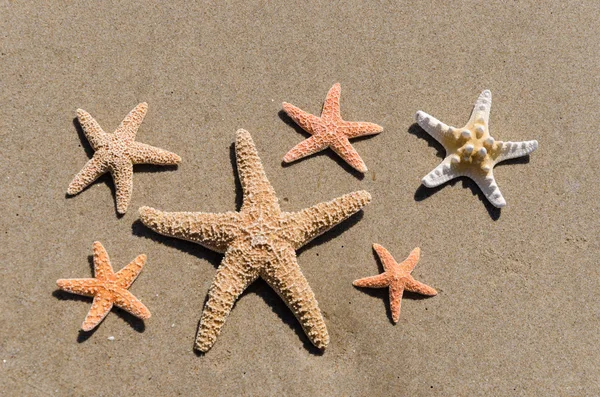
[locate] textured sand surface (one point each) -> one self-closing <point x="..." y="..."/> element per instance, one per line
<point x="518" y="304"/>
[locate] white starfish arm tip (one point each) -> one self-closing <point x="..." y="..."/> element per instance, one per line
<point x="433" y="126"/>
<point x="534" y="144"/>
<point x="511" y="150"/>
<point x="440" y="174"/>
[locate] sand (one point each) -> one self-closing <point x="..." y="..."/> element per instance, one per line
<point x="519" y="288"/>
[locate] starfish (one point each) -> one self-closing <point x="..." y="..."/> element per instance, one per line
<point x="397" y="277"/>
<point x="108" y="288"/>
<point x="471" y="151"/>
<point x="329" y="130"/>
<point x="117" y="153"/>
<point x="259" y="241"/>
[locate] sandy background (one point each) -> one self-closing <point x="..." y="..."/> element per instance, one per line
<point x="519" y="303"/>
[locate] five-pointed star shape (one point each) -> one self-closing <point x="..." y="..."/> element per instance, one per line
<point x="117" y="153"/>
<point x="397" y="277"/>
<point x="329" y="130"/>
<point x="471" y="151"/>
<point x="259" y="241"/>
<point x="108" y="288"/>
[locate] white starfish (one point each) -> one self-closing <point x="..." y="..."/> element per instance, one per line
<point x="471" y="151"/>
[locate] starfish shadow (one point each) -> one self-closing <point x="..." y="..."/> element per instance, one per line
<point x="383" y="293"/>
<point x="326" y="152"/>
<point x="424" y="192"/>
<point x="262" y="289"/>
<point x="106" y="178"/>
<point x="239" y="193"/>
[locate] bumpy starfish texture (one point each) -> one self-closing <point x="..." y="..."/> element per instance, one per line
<point x="117" y="153"/>
<point x="471" y="151"/>
<point x="108" y="288"/>
<point x="329" y="130"/>
<point x="397" y="277"/>
<point x="259" y="241"/>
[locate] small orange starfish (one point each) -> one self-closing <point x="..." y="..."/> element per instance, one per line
<point x="397" y="277"/>
<point x="329" y="130"/>
<point x="108" y="288"/>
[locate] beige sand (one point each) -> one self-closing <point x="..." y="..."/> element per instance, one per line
<point x="518" y="308"/>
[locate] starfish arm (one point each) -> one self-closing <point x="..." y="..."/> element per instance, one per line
<point x="127" y="301"/>
<point x="140" y="153"/>
<point x="131" y="123"/>
<point x="232" y="278"/>
<point x="438" y="130"/>
<point x="285" y="277"/>
<point x="387" y="260"/>
<point x="100" y="308"/>
<point x="331" y="106"/>
<point x="102" y="267"/>
<point x="301" y="227"/>
<point x="255" y="185"/>
<point x="481" y="110"/>
<point x="88" y="174"/>
<point x="122" y="173"/>
<point x="79" y="286"/>
<point x="127" y="275"/>
<point x="213" y="231"/>
<point x="490" y="189"/>
<point x="378" y="281"/>
<point x="412" y="260"/>
<point x="92" y="130"/>
<point x="354" y="129"/>
<point x="440" y="174"/>
<point x="308" y="122"/>
<point x="305" y="148"/>
<point x="416" y="286"/>
<point x="511" y="150"/>
<point x="344" y="149"/>
<point x="396" y="291"/>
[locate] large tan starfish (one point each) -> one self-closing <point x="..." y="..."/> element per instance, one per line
<point x="259" y="241"/>
<point x="329" y="130"/>
<point x="471" y="151"/>
<point x="117" y="153"/>
<point x="108" y="288"/>
<point x="397" y="277"/>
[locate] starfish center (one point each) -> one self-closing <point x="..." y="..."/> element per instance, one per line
<point x="474" y="146"/>
<point x="260" y="231"/>
<point x="117" y="146"/>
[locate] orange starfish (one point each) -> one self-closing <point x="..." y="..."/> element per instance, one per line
<point x="329" y="130"/>
<point x="397" y="277"/>
<point x="108" y="288"/>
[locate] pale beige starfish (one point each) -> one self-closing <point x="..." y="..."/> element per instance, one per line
<point x="471" y="151"/>
<point x="117" y="153"/>
<point x="329" y="130"/>
<point x="108" y="288"/>
<point x="397" y="277"/>
<point x="259" y="241"/>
